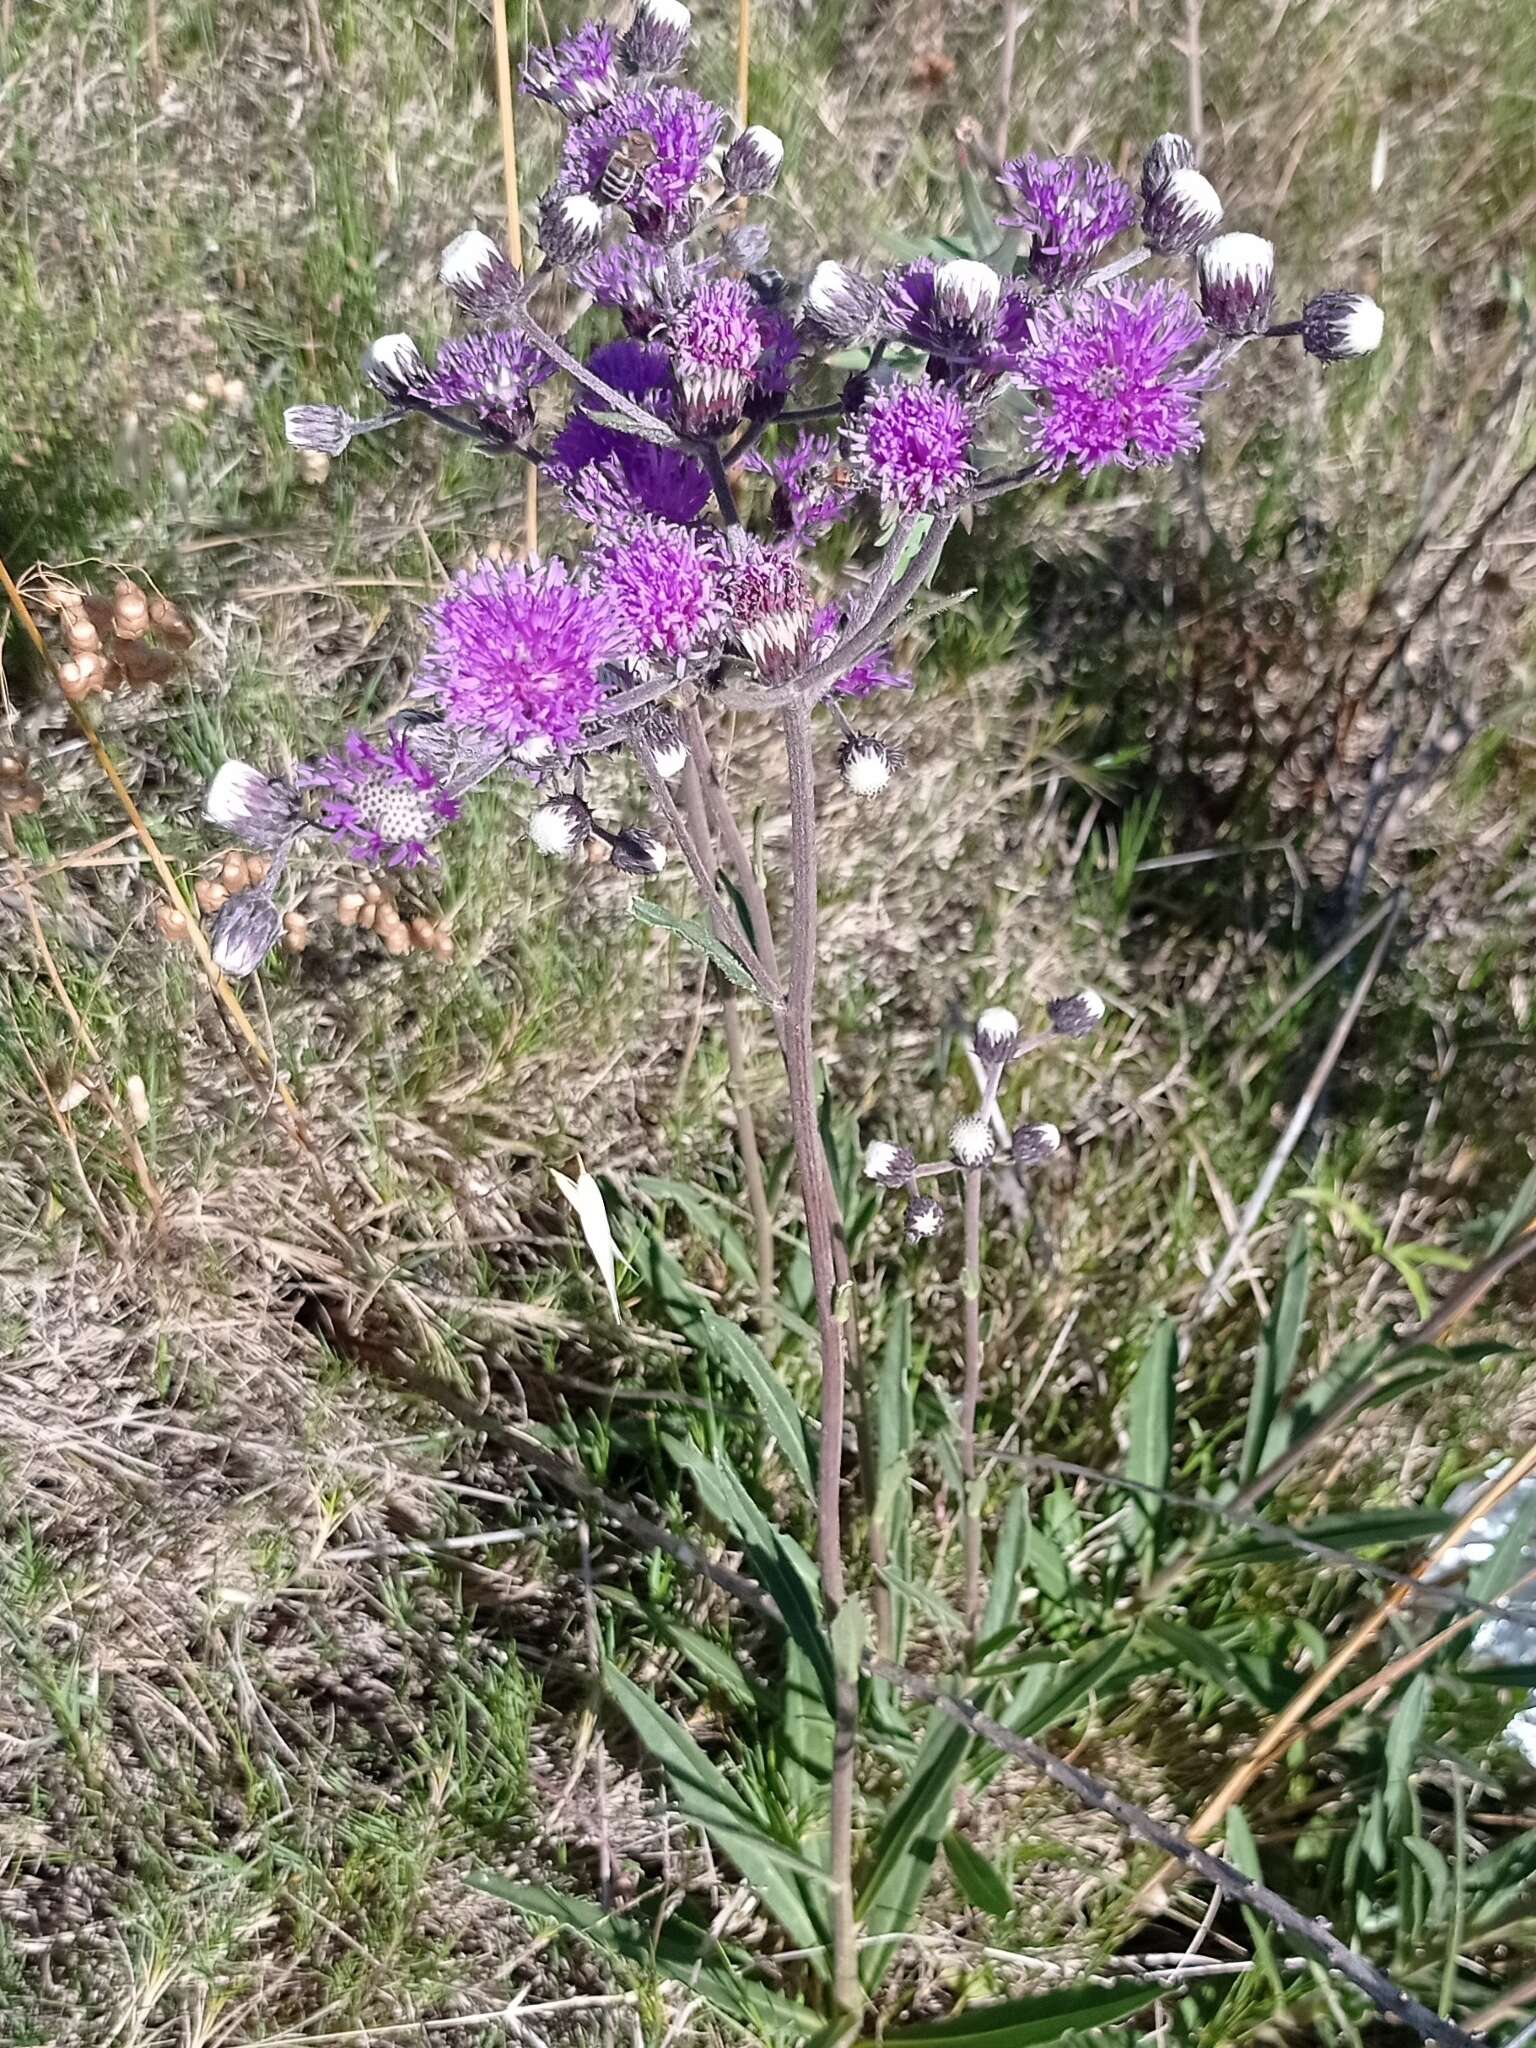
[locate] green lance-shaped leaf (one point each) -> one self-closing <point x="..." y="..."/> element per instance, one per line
<point x="1149" y="1460"/>
<point x="1051" y="2017"/>
<point x="1279" y="1349"/>
<point x="696" y="935"/>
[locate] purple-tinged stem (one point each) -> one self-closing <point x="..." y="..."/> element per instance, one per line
<point x="970" y="1285"/>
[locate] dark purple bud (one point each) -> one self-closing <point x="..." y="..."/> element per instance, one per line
<point x="752" y="163"/>
<point x="839" y="306"/>
<point x="925" y="1219"/>
<point x="1168" y="154"/>
<point x="657" y="39"/>
<point x="1336" y="327"/>
<point x="1237" y="284"/>
<point x="393" y="364"/>
<point x="319" y="429"/>
<point x="891" y="1165"/>
<point x="480" y="277"/>
<point x="1033" y="1144"/>
<point x="1076" y="1016"/>
<point x="252" y="808"/>
<point x="638" y="853"/>
<point x="569" y="226"/>
<point x="867" y="764"/>
<point x="245" y="932"/>
<point x="1183" y="212"/>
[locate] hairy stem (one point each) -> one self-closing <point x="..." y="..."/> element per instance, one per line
<point x="811" y="1170"/>
<point x="723" y="921"/>
<point x="970" y="1284"/>
<point x="751" y="1164"/>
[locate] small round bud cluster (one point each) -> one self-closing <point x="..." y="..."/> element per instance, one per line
<point x="752" y="164"/>
<point x="1237" y="284"/>
<point x="373" y="908"/>
<point x="891" y="1165"/>
<point x="1033" y="1144"/>
<point x="21" y="793"/>
<point x="866" y="764"/>
<point x="560" y="826"/>
<point x="1337" y="327"/>
<point x="295" y="931"/>
<point x="236" y="871"/>
<point x="997" y="1033"/>
<point x="971" y="1143"/>
<point x="1076" y="1016"/>
<point x="925" y="1219"/>
<point x="105" y="641"/>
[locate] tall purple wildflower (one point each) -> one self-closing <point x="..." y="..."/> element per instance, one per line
<point x="664" y="584"/>
<point x="381" y="804"/>
<point x="1073" y="208"/>
<point x="1112" y="380"/>
<point x="677" y="131"/>
<point x="636" y="279"/>
<point x="515" y="652"/>
<point x="912" y="443"/>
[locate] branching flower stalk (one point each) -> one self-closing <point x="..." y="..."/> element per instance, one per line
<point x="696" y="445"/>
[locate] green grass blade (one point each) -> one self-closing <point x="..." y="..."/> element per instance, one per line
<point x="893" y="1462"/>
<point x="1050" y="2017"/>
<point x="901" y="1863"/>
<point x="979" y="1880"/>
<point x="1279" y="1348"/>
<point x="1149" y="1459"/>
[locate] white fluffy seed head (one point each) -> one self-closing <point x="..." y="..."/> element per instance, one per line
<point x="971" y="1143"/>
<point x="671" y="14"/>
<point x="236" y="791"/>
<point x="1340" y="326"/>
<point x="997" y="1032"/>
<point x="1245" y="260"/>
<point x="925" y="1218"/>
<point x="891" y="1165"/>
<point x="670" y="759"/>
<point x="1077" y="1016"/>
<point x="468" y="259"/>
<point x="866" y="764"/>
<point x="967" y="290"/>
<point x="559" y="827"/>
<point x="1364" y="325"/>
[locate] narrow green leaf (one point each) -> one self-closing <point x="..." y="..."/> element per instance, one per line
<point x="980" y="1882"/>
<point x="709" y="1658"/>
<point x="731" y="1347"/>
<point x="1435" y="1867"/>
<point x="696" y="935"/>
<point x="1498" y="1573"/>
<point x="1517" y="1215"/>
<point x="902" y="1858"/>
<point x="1354" y="1363"/>
<point x="712" y="1224"/>
<point x="705" y="1795"/>
<point x="893" y="1460"/>
<point x="806" y="1736"/>
<point x="1049" y="2017"/>
<point x="679" y="1950"/>
<point x="1279" y="1348"/>
<point x="1002" y="1608"/>
<point x="1405" y="1731"/>
<point x="1150" y="1457"/>
<point x="1050" y="1693"/>
<point x="1243" y="1850"/>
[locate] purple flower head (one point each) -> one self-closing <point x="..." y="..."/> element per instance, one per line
<point x="961" y="313"/>
<point x="635" y="278"/>
<point x="646" y="153"/>
<point x="516" y="652"/>
<point x="1111" y="385"/>
<point x="912" y="442"/>
<point x="493" y="374"/>
<point x="664" y="584"/>
<point x="1073" y="208"/>
<point x="578" y="75"/>
<point x="812" y="487"/>
<point x="771" y="612"/>
<point x="635" y="475"/>
<point x="380" y="803"/>
<point x="875" y="672"/>
<point x="716" y="342"/>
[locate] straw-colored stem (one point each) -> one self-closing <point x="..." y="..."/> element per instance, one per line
<point x="506" y="103"/>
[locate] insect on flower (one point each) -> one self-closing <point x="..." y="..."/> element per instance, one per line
<point x="632" y="158"/>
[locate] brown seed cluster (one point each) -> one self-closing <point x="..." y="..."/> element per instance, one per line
<point x="20" y="791"/>
<point x="372" y="908"/>
<point x="128" y="640"/>
<point x="237" y="871"/>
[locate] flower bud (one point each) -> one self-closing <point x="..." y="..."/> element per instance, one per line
<point x="479" y="276"/>
<point x="252" y="807"/>
<point x="130" y="611"/>
<point x="746" y="247"/>
<point x="569" y="226"/>
<point x="318" y="429"/>
<point x="925" y="1218"/>
<point x="560" y="827"/>
<point x="1076" y="1016"/>
<point x="1181" y="213"/>
<point x="638" y="853"/>
<point x="393" y="365"/>
<point x="81" y="636"/>
<point x="1168" y="154"/>
<point x="1033" y="1144"/>
<point x="971" y="1143"/>
<point x="1237" y="283"/>
<point x="1339" y="326"/>
<point x="997" y="1033"/>
<point x="840" y="305"/>
<point x="657" y="38"/>
<point x="866" y="764"/>
<point x="966" y="294"/>
<point x="244" y="933"/>
<point x="659" y="737"/>
<point x="752" y="163"/>
<point x="891" y="1165"/>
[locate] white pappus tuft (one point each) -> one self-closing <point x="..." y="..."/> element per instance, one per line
<point x="393" y="364"/>
<point x="971" y="1143"/>
<point x="997" y="1033"/>
<point x="1338" y="327"/>
<point x="560" y="826"/>
<point x="891" y="1165"/>
<point x="866" y="764"/>
<point x="925" y="1219"/>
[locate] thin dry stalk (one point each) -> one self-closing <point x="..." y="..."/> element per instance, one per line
<point x="1196" y="83"/>
<point x="752" y="1175"/>
<point x="506" y="107"/>
<point x="1005" y="81"/>
<point x="1281" y="1731"/>
<point x="970" y="1284"/>
<point x="743" y="59"/>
